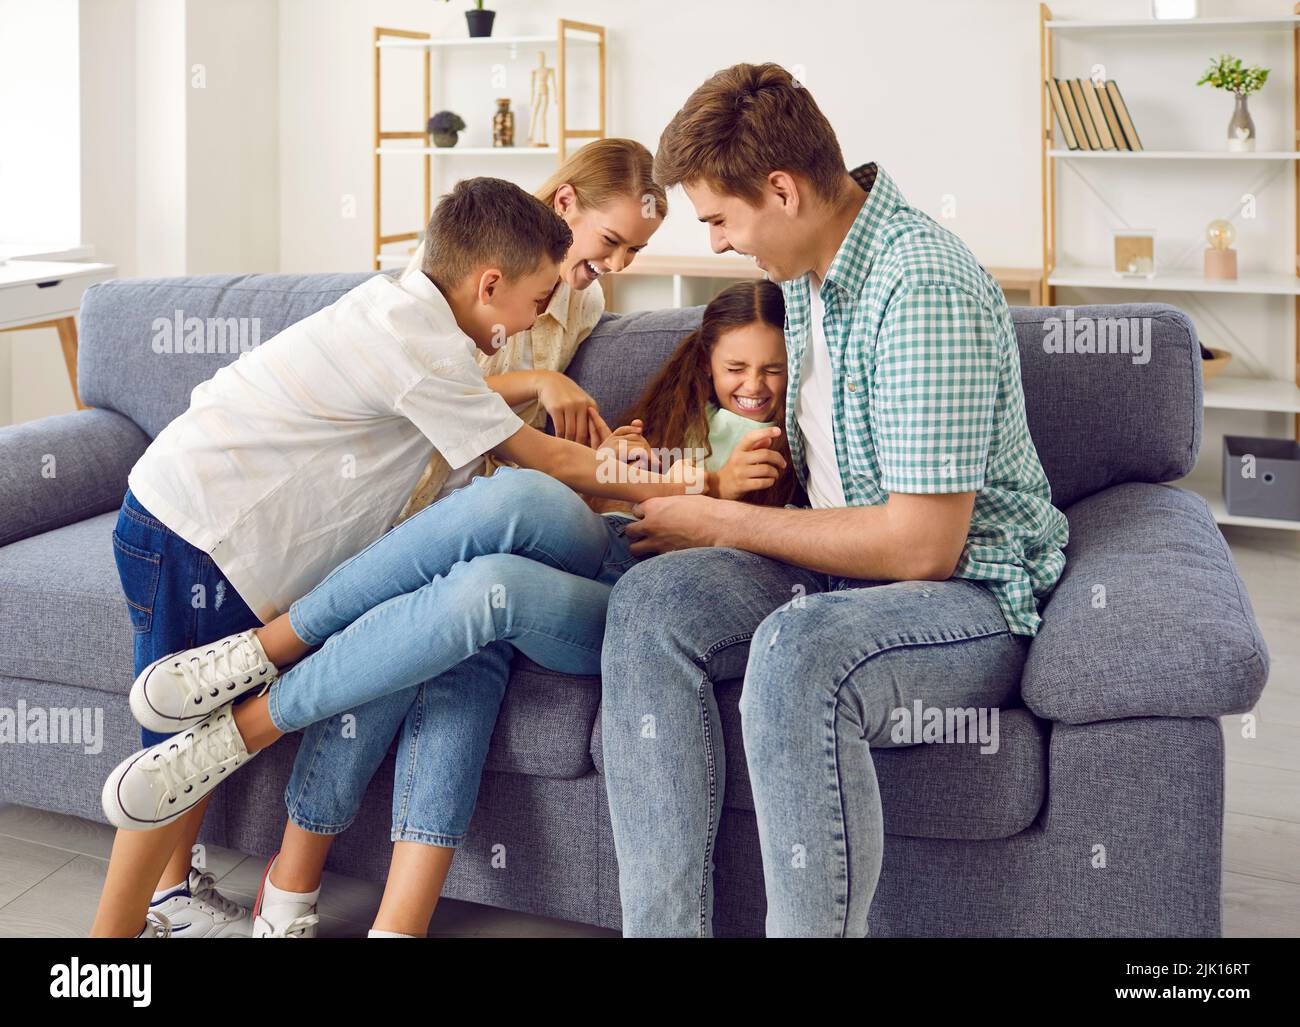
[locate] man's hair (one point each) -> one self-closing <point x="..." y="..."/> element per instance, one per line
<point x="488" y="222"/>
<point x="741" y="125"/>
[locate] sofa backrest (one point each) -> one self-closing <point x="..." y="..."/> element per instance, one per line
<point x="1097" y="419"/>
<point x="117" y="366"/>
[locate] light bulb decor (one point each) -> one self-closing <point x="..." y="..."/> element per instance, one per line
<point x="1220" y="257"/>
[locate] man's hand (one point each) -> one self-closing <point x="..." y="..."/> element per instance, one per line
<point x="679" y="522"/>
<point x="567" y="404"/>
<point x="752" y="466"/>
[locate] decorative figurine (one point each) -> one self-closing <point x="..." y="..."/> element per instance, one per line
<point x="542" y="82"/>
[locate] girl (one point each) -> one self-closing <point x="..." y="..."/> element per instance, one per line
<point x="602" y="194"/>
<point x="721" y="394"/>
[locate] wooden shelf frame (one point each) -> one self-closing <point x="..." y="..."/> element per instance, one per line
<point x="404" y="39"/>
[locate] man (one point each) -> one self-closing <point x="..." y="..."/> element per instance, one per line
<point x="915" y="574"/>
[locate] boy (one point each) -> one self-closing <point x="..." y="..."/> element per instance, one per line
<point x="299" y="455"/>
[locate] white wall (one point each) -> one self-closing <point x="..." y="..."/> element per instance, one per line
<point x="160" y="100"/>
<point x="172" y="167"/>
<point x="40" y="198"/>
<point x="232" y="181"/>
<point x="39" y="109"/>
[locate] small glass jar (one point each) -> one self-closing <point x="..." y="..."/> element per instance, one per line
<point x="503" y="124"/>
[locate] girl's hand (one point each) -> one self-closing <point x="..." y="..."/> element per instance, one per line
<point x="626" y="444"/>
<point x="752" y="466"/>
<point x="567" y="404"/>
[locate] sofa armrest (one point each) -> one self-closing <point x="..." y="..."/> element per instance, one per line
<point x="1149" y="618"/>
<point x="63" y="469"/>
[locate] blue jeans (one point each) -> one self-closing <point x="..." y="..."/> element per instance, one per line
<point x="176" y="596"/>
<point x="827" y="663"/>
<point x="417" y="634"/>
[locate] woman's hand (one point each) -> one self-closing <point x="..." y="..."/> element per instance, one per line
<point x="567" y="404"/>
<point x="753" y="465"/>
<point x="625" y="444"/>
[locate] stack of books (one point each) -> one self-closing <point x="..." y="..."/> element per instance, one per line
<point x="1092" y="115"/>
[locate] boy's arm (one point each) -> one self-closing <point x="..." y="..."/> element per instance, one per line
<point x="515" y="387"/>
<point x="561" y="397"/>
<point x="582" y="469"/>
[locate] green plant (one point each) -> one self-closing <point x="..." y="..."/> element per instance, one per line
<point x="1227" y="73"/>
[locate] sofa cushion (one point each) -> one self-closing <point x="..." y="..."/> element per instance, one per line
<point x="117" y="365"/>
<point x="926" y="791"/>
<point x="62" y="615"/>
<point x="623" y="352"/>
<point x="1098" y="419"/>
<point x="62" y="469"/>
<point x="1149" y="618"/>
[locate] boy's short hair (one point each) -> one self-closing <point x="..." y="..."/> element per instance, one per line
<point x="489" y="221"/>
<point x="741" y="125"/>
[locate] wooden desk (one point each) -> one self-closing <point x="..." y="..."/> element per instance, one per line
<point x="47" y="294"/>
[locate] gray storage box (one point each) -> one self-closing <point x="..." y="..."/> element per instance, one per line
<point x="1274" y="491"/>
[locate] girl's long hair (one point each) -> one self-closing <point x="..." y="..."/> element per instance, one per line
<point x="674" y="405"/>
<point x="607" y="169"/>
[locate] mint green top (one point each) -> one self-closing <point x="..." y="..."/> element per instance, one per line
<point x="726" y="429"/>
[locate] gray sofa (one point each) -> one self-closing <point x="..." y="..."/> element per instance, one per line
<point x="1101" y="815"/>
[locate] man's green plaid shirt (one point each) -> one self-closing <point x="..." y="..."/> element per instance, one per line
<point x="926" y="392"/>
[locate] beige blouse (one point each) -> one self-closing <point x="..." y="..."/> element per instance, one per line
<point x="553" y="339"/>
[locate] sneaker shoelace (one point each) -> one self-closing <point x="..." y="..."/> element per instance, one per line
<point x="203" y="888"/>
<point x="295" y="928"/>
<point x="194" y="757"/>
<point x="162" y="926"/>
<point x="197" y="672"/>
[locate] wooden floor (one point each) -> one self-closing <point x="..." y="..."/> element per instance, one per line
<point x="52" y="867"/>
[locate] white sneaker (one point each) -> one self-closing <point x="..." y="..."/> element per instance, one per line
<point x="166" y="781"/>
<point x="195" y="909"/>
<point x="183" y="688"/>
<point x="287" y="920"/>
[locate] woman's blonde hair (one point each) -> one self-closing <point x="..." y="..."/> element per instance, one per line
<point x="607" y="169"/>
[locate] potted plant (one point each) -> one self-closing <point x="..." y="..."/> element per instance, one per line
<point x="479" y="20"/>
<point x="1227" y="73"/>
<point x="445" y="128"/>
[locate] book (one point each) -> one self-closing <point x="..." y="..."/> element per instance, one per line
<point x="1094" y="140"/>
<point x="1098" y="116"/>
<point x="1112" y="121"/>
<point x="1072" y="113"/>
<point x="1062" y="119"/>
<point x="1121" y="112"/>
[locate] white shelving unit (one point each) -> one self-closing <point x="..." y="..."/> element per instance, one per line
<point x="1262" y="395"/>
<point x="1258" y="284"/>
<point x="569" y="35"/>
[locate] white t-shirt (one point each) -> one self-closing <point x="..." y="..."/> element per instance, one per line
<point x="813" y="412"/>
<point x="303" y="451"/>
<point x="462" y="476"/>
